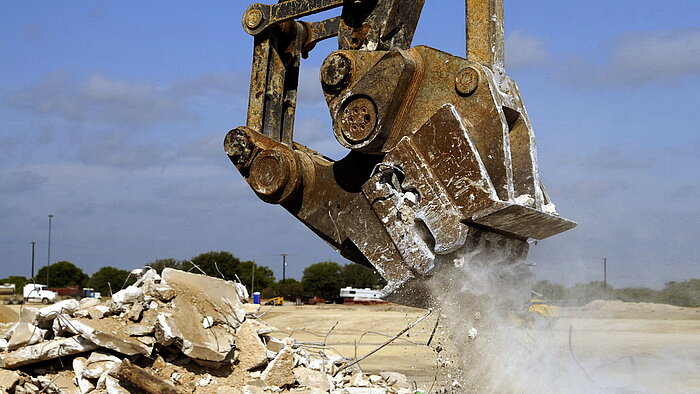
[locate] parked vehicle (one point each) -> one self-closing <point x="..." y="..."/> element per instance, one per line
<point x="89" y="292"/>
<point x="7" y="289"/>
<point x="34" y="292"/>
<point x="361" y="296"/>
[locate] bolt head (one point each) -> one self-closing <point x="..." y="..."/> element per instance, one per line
<point x="467" y="81"/>
<point x="335" y="72"/>
<point x="253" y="18"/>
<point x="358" y="119"/>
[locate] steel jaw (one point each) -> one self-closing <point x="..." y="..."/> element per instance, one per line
<point x="442" y="159"/>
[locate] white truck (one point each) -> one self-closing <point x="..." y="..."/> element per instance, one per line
<point x="34" y="292"/>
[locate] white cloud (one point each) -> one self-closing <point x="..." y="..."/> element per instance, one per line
<point x="637" y="58"/>
<point x="641" y="57"/>
<point x="523" y="51"/>
<point x="103" y="100"/>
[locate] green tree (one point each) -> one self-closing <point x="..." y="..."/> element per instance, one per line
<point x="108" y="280"/>
<point x="18" y="281"/>
<point x="636" y="294"/>
<point x="359" y="276"/>
<point x="323" y="279"/>
<point x="62" y="274"/>
<point x="161" y="264"/>
<point x="551" y="291"/>
<point x="264" y="276"/>
<point x="290" y="289"/>
<point x="216" y="264"/>
<point x="685" y="293"/>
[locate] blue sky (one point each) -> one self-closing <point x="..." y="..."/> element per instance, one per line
<point x="112" y="116"/>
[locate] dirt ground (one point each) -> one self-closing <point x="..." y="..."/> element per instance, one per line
<point x="652" y="348"/>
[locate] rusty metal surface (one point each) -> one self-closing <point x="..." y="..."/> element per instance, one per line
<point x="442" y="157"/>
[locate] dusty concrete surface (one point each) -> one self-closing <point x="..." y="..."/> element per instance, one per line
<point x="656" y="347"/>
<point x="652" y="346"/>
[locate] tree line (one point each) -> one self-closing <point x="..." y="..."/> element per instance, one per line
<point x="323" y="279"/>
<point x="685" y="293"/>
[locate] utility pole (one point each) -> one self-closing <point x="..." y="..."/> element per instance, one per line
<point x="284" y="265"/>
<point x="605" y="272"/>
<point x="33" y="245"/>
<point x="48" y="255"/>
<point x="252" y="282"/>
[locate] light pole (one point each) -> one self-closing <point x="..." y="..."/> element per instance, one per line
<point x="33" y="245"/>
<point x="605" y="272"/>
<point x="284" y="266"/>
<point x="48" y="254"/>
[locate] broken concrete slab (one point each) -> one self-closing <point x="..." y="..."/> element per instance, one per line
<point x="252" y="352"/>
<point x="138" y="330"/>
<point x="206" y="324"/>
<point x="166" y="330"/>
<point x="25" y="334"/>
<point x="28" y="314"/>
<point x="311" y="379"/>
<point x="103" y="334"/>
<point x="129" y="295"/>
<point x="65" y="307"/>
<point x="45" y="351"/>
<point x="280" y="371"/>
<point x="8" y="379"/>
<point x="226" y="302"/>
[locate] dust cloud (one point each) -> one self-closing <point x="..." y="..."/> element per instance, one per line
<point x="487" y="342"/>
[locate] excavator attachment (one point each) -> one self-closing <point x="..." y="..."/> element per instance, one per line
<point x="442" y="158"/>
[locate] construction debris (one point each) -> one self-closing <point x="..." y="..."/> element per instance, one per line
<point x="179" y="333"/>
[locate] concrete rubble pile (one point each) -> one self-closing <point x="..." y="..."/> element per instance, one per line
<point x="175" y="333"/>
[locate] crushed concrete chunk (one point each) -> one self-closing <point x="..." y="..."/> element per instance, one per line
<point x="98" y="312"/>
<point x="25" y="334"/>
<point x="193" y="304"/>
<point x="395" y="379"/>
<point x="112" y="386"/>
<point x="48" y="350"/>
<point x="148" y="341"/>
<point x="135" y="312"/>
<point x="280" y="371"/>
<point x="252" y="353"/>
<point x="84" y="385"/>
<point x="8" y="379"/>
<point x="129" y="295"/>
<point x="166" y="330"/>
<point x="312" y="379"/>
<point x="3" y="344"/>
<point x="98" y="364"/>
<point x="87" y="303"/>
<point x="164" y="293"/>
